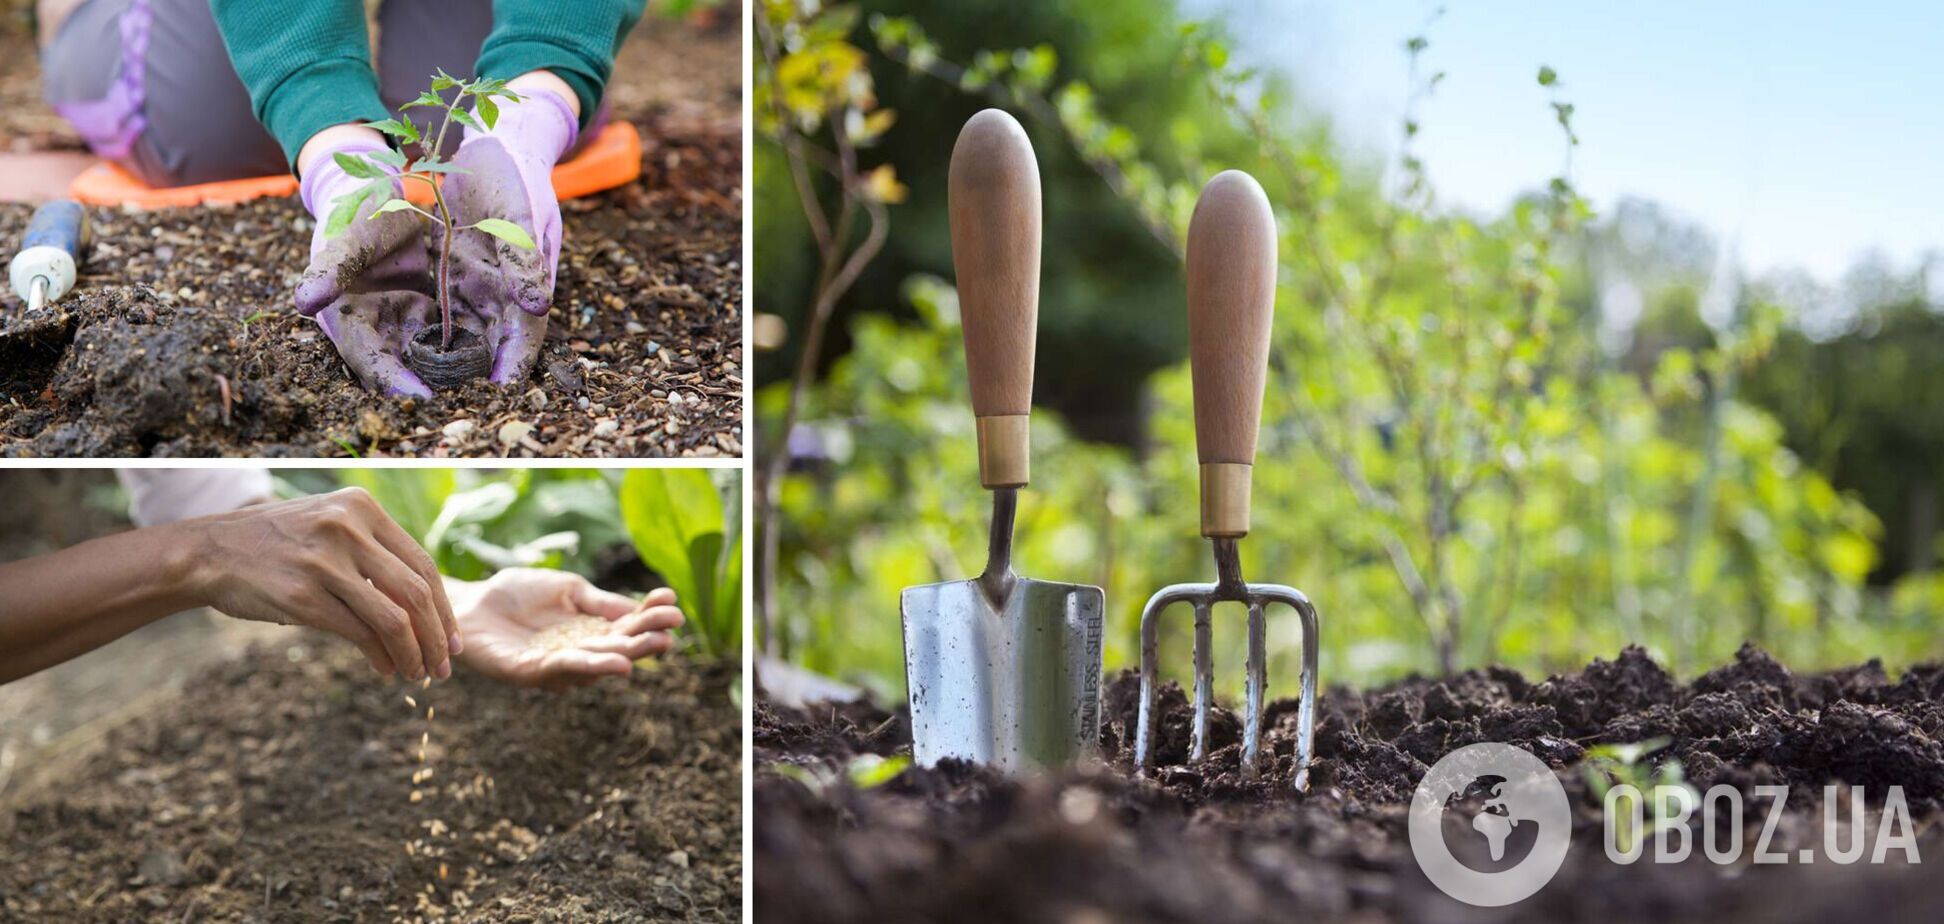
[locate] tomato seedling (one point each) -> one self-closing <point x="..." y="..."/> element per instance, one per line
<point x="383" y="168"/>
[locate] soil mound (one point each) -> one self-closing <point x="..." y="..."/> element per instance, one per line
<point x="1198" y="842"/>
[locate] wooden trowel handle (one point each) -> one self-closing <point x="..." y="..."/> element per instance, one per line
<point x="1231" y="296"/>
<point x="994" y="200"/>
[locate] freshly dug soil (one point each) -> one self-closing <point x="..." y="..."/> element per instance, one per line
<point x="180" y="339"/>
<point x="278" y="788"/>
<point x="1200" y="843"/>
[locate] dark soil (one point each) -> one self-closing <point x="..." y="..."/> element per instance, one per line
<point x="278" y="789"/>
<point x="180" y="339"/>
<point x="1200" y="843"/>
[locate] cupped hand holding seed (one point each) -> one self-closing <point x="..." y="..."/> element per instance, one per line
<point x="553" y="630"/>
<point x="335" y="562"/>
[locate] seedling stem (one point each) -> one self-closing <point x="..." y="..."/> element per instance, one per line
<point x="385" y="168"/>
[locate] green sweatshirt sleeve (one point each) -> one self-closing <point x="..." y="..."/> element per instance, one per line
<point x="306" y="64"/>
<point x="576" y="41"/>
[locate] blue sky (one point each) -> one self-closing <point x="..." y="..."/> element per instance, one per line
<point x="1810" y="132"/>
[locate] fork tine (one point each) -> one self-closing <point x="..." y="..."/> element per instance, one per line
<point x="1204" y="677"/>
<point x="1150" y="658"/>
<point x="1256" y="680"/>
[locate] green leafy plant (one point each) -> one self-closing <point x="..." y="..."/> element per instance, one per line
<point x="815" y="100"/>
<point x="1461" y="467"/>
<point x="864" y="771"/>
<point x="427" y="168"/>
<point x="684" y="531"/>
<point x="1610" y="765"/>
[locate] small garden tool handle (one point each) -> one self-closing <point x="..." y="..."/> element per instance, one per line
<point x="994" y="201"/>
<point x="1231" y="297"/>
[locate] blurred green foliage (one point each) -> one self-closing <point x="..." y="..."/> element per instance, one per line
<point x="685" y="532"/>
<point x="475" y="522"/>
<point x="1455" y="463"/>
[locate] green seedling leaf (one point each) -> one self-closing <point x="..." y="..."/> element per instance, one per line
<point x="398" y="129"/>
<point x="342" y="213"/>
<point x="347" y="207"/>
<point x="466" y="118"/>
<point x="1630" y="754"/>
<point x="426" y="98"/>
<point x="400" y="205"/>
<point x="488" y="111"/>
<point x="869" y="771"/>
<point x="803" y="775"/>
<point x="505" y="231"/>
<point x="1547" y="76"/>
<point x="356" y="165"/>
<point x="381" y="191"/>
<point x="389" y="158"/>
<point x="438" y="166"/>
<point x="444" y="81"/>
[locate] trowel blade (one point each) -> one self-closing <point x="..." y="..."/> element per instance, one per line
<point x="1016" y="688"/>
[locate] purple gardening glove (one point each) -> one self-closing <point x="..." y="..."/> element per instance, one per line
<point x="370" y="287"/>
<point x="505" y="288"/>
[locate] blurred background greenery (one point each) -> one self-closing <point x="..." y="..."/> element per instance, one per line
<point x="1464" y="460"/>
<point x="633" y="529"/>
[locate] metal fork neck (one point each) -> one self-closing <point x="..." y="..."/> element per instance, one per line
<point x="998" y="579"/>
<point x="1228" y="570"/>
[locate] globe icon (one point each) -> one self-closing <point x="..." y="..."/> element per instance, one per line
<point x="1485" y="830"/>
<point x="1489" y="824"/>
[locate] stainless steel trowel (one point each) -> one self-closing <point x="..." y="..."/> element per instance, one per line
<point x="1002" y="670"/>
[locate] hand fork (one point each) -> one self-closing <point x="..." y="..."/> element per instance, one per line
<point x="1231" y="298"/>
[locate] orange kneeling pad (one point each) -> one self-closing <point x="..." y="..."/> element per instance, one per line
<point x="612" y="159"/>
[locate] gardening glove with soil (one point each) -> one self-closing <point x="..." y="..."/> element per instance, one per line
<point x="370" y="286"/>
<point x="553" y="630"/>
<point x="505" y="289"/>
<point x="336" y="562"/>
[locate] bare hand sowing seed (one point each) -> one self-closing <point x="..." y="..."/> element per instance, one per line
<point x="553" y="630"/>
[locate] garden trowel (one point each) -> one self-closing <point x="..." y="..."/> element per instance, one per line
<point x="1231" y="297"/>
<point x="1002" y="670"/>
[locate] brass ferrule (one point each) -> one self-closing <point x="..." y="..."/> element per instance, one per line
<point x="1004" y="450"/>
<point x="1225" y="499"/>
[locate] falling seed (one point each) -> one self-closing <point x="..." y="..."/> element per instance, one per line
<point x="416" y="795"/>
<point x="426" y="684"/>
<point x="425" y="738"/>
<point x="428" y="712"/>
<point x="411" y="702"/>
<point x="442" y="871"/>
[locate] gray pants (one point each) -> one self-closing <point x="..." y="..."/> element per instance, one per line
<point x="149" y="85"/>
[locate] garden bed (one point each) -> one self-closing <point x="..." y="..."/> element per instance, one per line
<point x="180" y="339"/>
<point x="279" y="788"/>
<point x="1200" y="843"/>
